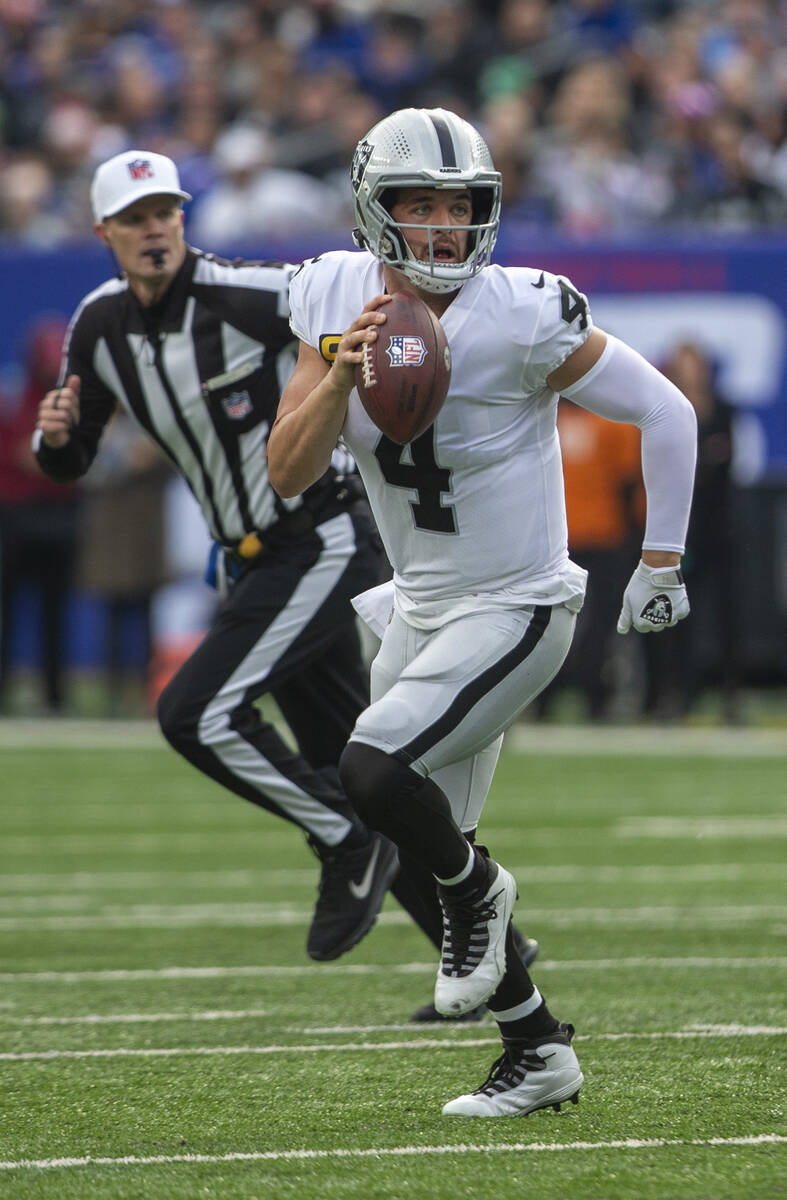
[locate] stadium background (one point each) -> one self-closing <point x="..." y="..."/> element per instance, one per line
<point x="643" y="145"/>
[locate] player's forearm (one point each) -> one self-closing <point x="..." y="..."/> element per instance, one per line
<point x="669" y="441"/>
<point x="303" y="438"/>
<point x="623" y="386"/>
<point x="660" y="558"/>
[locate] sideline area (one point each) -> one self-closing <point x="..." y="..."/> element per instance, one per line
<point x="522" y="738"/>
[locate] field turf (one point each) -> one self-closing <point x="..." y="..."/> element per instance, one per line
<point x="164" y="1036"/>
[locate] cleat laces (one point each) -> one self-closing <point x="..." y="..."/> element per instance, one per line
<point x="465" y="934"/>
<point x="509" y="1070"/>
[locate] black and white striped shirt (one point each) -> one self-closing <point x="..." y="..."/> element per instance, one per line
<point x="202" y="372"/>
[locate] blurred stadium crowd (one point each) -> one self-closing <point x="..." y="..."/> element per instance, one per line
<point x="605" y="116"/>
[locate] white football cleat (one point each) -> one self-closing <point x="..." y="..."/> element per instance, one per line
<point x="524" y="1079"/>
<point x="473" y="958"/>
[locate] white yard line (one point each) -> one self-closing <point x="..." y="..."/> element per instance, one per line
<point x="758" y="1139"/>
<point x="737" y="828"/>
<point x="246" y="1014"/>
<point x="99" y="841"/>
<point x="26" y="882"/>
<point x="194" y="916"/>
<point x="415" y="1043"/>
<point x="563" y="740"/>
<point x="567" y="740"/>
<point x="144" y="974"/>
<point x="749" y="827"/>
<point x="138" y="1018"/>
<point x="697" y="1031"/>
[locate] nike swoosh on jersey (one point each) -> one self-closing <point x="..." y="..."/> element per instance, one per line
<point x="540" y="283"/>
<point x="361" y="890"/>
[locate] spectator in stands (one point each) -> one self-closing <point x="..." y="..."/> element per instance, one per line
<point x="394" y="65"/>
<point x="703" y="89"/>
<point x="253" y="198"/>
<point x="585" y="166"/>
<point x="457" y="45"/>
<point x="39" y="521"/>
<point x="27" y="203"/>
<point x="708" y="654"/>
<point x="122" y="559"/>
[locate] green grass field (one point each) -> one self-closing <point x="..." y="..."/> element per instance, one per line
<point x="163" y="1034"/>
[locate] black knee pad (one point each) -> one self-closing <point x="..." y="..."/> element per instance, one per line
<point x="371" y="778"/>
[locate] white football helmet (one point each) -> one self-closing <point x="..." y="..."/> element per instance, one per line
<point x="424" y="147"/>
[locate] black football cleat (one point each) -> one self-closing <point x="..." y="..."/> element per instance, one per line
<point x="352" y="888"/>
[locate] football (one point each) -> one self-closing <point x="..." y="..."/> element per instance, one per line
<point x="405" y="372"/>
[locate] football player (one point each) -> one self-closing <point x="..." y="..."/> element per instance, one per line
<point x="472" y="516"/>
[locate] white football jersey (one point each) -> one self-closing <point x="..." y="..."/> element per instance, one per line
<point x="472" y="513"/>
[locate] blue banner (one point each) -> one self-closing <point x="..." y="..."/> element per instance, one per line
<point x="728" y="294"/>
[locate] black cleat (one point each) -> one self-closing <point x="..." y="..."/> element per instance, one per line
<point x="352" y="888"/>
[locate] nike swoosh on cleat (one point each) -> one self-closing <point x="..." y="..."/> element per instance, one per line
<point x="540" y="283"/>
<point x="361" y="890"/>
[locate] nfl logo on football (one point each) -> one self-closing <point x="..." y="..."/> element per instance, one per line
<point x="406" y="351"/>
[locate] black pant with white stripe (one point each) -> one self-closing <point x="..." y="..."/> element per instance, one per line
<point x="286" y="629"/>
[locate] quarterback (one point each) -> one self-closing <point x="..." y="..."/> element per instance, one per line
<point x="472" y="516"/>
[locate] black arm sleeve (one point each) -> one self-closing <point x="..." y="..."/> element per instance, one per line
<point x="96" y="405"/>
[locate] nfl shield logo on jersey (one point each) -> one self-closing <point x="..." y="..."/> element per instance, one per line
<point x="140" y="168"/>
<point x="237" y="405"/>
<point x="406" y="350"/>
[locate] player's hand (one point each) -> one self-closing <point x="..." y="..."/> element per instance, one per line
<point x="350" y="348"/>
<point x="58" y="413"/>
<point x="655" y="599"/>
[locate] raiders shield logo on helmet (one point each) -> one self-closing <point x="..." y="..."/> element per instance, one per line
<point x="658" y="610"/>
<point x="363" y="152"/>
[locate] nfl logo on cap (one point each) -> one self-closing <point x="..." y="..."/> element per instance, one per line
<point x="140" y="168"/>
<point x="130" y="176"/>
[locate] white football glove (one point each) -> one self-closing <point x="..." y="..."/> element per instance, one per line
<point x="655" y="599"/>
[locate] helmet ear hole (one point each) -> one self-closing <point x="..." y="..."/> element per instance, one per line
<point x="388" y="198"/>
<point x="482" y="200"/>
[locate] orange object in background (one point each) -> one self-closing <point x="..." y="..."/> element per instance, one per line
<point x="603" y="478"/>
<point x="166" y="660"/>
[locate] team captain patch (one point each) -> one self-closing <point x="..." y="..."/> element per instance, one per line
<point x="329" y="345"/>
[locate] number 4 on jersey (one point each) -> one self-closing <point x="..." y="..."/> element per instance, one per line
<point x="572" y="304"/>
<point x="423" y="476"/>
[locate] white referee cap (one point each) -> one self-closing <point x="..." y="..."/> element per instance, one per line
<point x="128" y="177"/>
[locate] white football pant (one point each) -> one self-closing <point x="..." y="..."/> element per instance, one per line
<point x="441" y="699"/>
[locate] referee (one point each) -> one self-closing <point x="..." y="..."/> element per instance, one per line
<point x="197" y="349"/>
